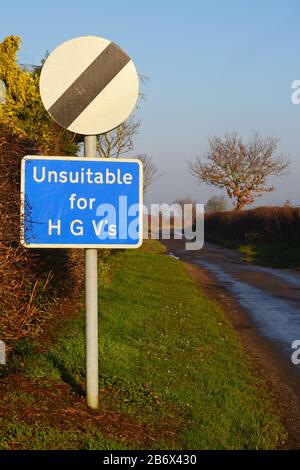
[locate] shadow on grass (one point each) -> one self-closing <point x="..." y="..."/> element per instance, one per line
<point x="66" y="376"/>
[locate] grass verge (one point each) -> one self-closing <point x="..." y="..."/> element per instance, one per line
<point x="276" y="255"/>
<point x="173" y="374"/>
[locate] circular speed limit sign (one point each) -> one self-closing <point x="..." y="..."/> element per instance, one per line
<point x="89" y="85"/>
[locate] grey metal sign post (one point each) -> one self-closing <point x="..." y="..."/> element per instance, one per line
<point x="89" y="86"/>
<point x="91" y="305"/>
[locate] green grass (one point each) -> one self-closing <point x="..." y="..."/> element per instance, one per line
<point x="38" y="437"/>
<point x="276" y="255"/>
<point x="169" y="361"/>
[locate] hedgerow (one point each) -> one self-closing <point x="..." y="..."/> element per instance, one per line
<point x="34" y="284"/>
<point x="259" y="225"/>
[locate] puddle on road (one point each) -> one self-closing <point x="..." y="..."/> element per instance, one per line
<point x="172" y="255"/>
<point x="276" y="319"/>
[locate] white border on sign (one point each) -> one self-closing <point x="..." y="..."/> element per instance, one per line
<point x="83" y="159"/>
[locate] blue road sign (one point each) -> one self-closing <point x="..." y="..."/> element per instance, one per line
<point x="72" y="202"/>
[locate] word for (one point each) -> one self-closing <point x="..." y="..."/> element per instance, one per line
<point x="81" y="203"/>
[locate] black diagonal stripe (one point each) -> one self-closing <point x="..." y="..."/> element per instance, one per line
<point x="88" y="85"/>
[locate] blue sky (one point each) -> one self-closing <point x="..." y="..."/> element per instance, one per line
<point x="215" y="66"/>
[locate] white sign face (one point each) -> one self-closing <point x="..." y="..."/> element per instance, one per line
<point x="89" y="85"/>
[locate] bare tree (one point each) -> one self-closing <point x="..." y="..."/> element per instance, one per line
<point x="187" y="200"/>
<point x="216" y="204"/>
<point x="240" y="168"/>
<point x="151" y="173"/>
<point x="119" y="141"/>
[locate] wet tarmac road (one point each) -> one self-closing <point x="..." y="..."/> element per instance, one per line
<point x="270" y="296"/>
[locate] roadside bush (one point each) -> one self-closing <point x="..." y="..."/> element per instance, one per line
<point x="34" y="284"/>
<point x="259" y="225"/>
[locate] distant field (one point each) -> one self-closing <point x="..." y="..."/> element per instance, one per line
<point x="173" y="375"/>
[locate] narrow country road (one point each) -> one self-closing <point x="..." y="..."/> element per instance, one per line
<point x="263" y="306"/>
<point x="271" y="296"/>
